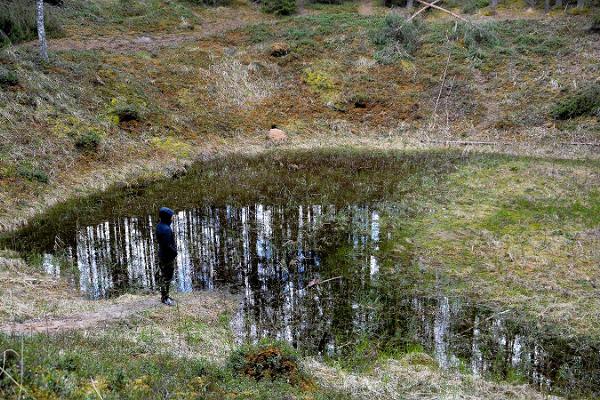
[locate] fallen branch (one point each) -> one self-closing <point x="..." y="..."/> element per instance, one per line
<point x="484" y="143"/>
<point x="580" y="143"/>
<point x="318" y="282"/>
<point x="444" y="10"/>
<point x="421" y="10"/>
<point x="466" y="142"/>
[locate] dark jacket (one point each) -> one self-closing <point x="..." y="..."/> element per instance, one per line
<point x="167" y="248"/>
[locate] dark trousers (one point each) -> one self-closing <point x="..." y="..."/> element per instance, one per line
<point x="167" y="267"/>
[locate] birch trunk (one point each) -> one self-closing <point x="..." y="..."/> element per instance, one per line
<point x="41" y="30"/>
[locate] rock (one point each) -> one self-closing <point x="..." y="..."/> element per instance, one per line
<point x="277" y="135"/>
<point x="280" y="49"/>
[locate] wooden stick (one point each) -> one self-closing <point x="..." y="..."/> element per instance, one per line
<point x="581" y="143"/>
<point x="467" y="143"/>
<point x="326" y="280"/>
<point x="437" y="101"/>
<point x="443" y="9"/>
<point x="421" y="10"/>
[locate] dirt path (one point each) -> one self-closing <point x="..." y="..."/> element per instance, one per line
<point x="130" y="42"/>
<point x="83" y="320"/>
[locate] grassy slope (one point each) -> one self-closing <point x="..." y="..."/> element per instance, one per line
<point x="195" y="92"/>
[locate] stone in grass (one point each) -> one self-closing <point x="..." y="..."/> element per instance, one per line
<point x="280" y="49"/>
<point x="277" y="135"/>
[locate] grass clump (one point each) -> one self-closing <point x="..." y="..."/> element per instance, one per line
<point x="8" y="78"/>
<point x="472" y="6"/>
<point x="396" y="39"/>
<point x="585" y="102"/>
<point x="595" y="28"/>
<point x="279" y="7"/>
<point x="31" y="172"/>
<point x="18" y="22"/>
<point x="211" y="3"/>
<point x="88" y="141"/>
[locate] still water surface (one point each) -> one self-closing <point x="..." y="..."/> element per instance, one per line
<point x="325" y="279"/>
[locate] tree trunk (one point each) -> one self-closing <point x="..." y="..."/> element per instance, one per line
<point x="41" y="30"/>
<point x="580" y="3"/>
<point x="410" y="4"/>
<point x="559" y="3"/>
<point x="546" y="6"/>
<point x="494" y="4"/>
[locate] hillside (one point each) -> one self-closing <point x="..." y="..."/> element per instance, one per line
<point x="446" y="169"/>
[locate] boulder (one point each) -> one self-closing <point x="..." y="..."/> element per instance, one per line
<point x="277" y="135"/>
<point x="280" y="49"/>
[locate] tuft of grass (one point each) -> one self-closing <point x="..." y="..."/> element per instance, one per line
<point x="586" y="101"/>
<point x="88" y="141"/>
<point x="595" y="27"/>
<point x="279" y="7"/>
<point x="32" y="172"/>
<point x="211" y="3"/>
<point x="396" y="39"/>
<point x="8" y="78"/>
<point x="472" y="6"/>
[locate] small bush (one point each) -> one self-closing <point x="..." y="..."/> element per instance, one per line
<point x="279" y="7"/>
<point x="8" y="78"/>
<point x="479" y="35"/>
<point x="396" y="39"/>
<point x="585" y="102"/>
<point x="472" y="6"/>
<point x="88" y="141"/>
<point x="595" y="28"/>
<point x="32" y="172"/>
<point x="211" y="3"/>
<point x="395" y="3"/>
<point x="273" y="361"/>
<point x="18" y="22"/>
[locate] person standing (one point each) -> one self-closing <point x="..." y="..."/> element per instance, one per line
<point x="167" y="253"/>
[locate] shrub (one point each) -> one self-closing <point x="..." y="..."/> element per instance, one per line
<point x="595" y="28"/>
<point x="211" y="3"/>
<point x="31" y="172"/>
<point x="89" y="140"/>
<point x="279" y="7"/>
<point x="395" y="3"/>
<point x="18" y="22"/>
<point x="8" y="78"/>
<point x="396" y="39"/>
<point x="478" y="35"/>
<point x="585" y="102"/>
<point x="472" y="6"/>
<point x="274" y="361"/>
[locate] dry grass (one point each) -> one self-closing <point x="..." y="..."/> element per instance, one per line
<point x="402" y="379"/>
<point x="235" y="84"/>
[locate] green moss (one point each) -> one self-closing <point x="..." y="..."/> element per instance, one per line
<point x="524" y="214"/>
<point x="319" y="81"/>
